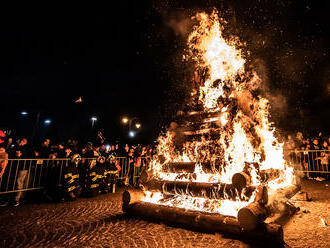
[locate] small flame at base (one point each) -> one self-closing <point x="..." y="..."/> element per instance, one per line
<point x="224" y="207"/>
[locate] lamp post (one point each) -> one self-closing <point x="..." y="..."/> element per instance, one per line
<point x="126" y="120"/>
<point x="93" y="119"/>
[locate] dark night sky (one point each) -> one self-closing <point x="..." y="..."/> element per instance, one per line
<point x="125" y="58"/>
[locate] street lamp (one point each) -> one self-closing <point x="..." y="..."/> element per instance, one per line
<point x="129" y="121"/>
<point x="125" y="120"/>
<point x="24" y="113"/>
<point x="93" y="119"/>
<point x="131" y="134"/>
<point x="47" y="121"/>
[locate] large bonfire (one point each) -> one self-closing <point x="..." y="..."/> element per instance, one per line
<point x="236" y="137"/>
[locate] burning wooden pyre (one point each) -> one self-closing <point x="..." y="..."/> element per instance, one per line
<point x="219" y="168"/>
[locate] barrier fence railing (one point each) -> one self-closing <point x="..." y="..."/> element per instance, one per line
<point x="312" y="162"/>
<point x="33" y="174"/>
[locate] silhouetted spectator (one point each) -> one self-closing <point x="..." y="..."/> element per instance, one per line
<point x="44" y="150"/>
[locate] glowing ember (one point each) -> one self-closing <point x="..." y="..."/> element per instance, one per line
<point x="245" y="135"/>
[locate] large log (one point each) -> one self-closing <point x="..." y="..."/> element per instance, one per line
<point x="186" y="167"/>
<point x="289" y="191"/>
<point x="243" y="179"/>
<point x="203" y="221"/>
<point x="196" y="117"/>
<point x="253" y="215"/>
<point x="130" y="197"/>
<point x="197" y="189"/>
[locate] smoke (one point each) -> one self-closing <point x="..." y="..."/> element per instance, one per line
<point x="277" y="100"/>
<point x="180" y="23"/>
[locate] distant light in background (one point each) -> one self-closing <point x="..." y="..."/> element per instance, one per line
<point x="131" y="134"/>
<point x="138" y="125"/>
<point x="124" y="120"/>
<point x="24" y="113"/>
<point x="107" y="147"/>
<point x="93" y="119"/>
<point x="47" y="121"/>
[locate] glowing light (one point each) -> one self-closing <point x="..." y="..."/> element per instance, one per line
<point x="47" y="121"/>
<point x="131" y="134"/>
<point x="24" y="113"/>
<point x="137" y="125"/>
<point x="125" y="120"/>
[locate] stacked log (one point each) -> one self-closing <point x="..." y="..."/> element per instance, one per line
<point x="254" y="214"/>
<point x="203" y="221"/>
<point x="243" y="179"/>
<point x="197" y="189"/>
<point x="186" y="167"/>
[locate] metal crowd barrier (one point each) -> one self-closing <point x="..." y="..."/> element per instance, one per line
<point x="129" y="168"/>
<point x="35" y="174"/>
<point x="31" y="174"/>
<point x="312" y="162"/>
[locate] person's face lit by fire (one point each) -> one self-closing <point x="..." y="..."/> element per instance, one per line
<point x="67" y="151"/>
<point x="46" y="142"/>
<point x="315" y="142"/>
<point x="22" y="142"/>
<point x="126" y="148"/>
<point x="18" y="154"/>
<point x="325" y="144"/>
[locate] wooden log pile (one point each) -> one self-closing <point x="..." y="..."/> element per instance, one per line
<point x="196" y="189"/>
<point x="202" y="221"/>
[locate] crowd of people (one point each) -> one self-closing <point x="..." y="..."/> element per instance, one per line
<point x="299" y="142"/>
<point x="88" y="170"/>
<point x="313" y="153"/>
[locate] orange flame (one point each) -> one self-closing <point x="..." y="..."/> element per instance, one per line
<point x="246" y="134"/>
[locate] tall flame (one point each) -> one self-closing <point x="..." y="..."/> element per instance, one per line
<point x="246" y="134"/>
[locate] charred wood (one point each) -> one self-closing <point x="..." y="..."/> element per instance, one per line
<point x="197" y="189"/>
<point x="203" y="221"/>
<point x="186" y="167"/>
<point x="243" y="179"/>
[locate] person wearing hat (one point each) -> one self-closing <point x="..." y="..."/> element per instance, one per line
<point x="112" y="169"/>
<point x="72" y="187"/>
<point x="100" y="171"/>
<point x="92" y="178"/>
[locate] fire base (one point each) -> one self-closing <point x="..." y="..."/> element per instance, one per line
<point x="201" y="221"/>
